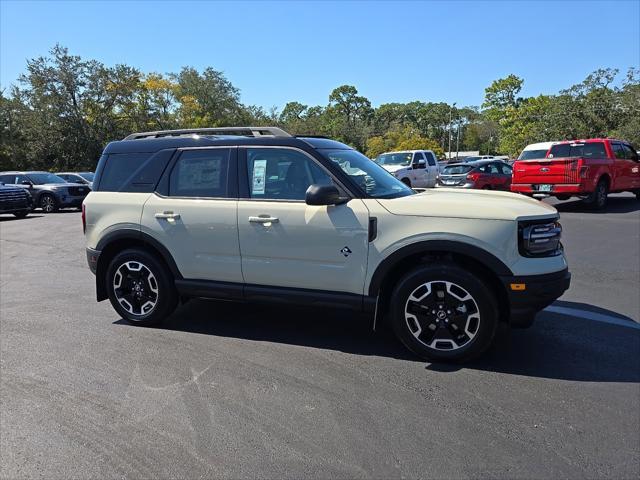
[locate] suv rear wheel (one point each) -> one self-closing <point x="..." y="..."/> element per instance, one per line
<point x="140" y="288"/>
<point x="444" y="313"/>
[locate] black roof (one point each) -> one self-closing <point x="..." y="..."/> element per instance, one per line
<point x="150" y="145"/>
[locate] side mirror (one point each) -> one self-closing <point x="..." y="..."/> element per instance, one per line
<point x="27" y="183"/>
<point x="323" y="195"/>
<point x="421" y="163"/>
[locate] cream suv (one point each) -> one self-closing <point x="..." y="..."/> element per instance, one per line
<point x="254" y="214"/>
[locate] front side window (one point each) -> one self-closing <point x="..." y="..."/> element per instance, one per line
<point x="374" y="180"/>
<point x="630" y="153"/>
<point x="417" y="157"/>
<point x="282" y="174"/>
<point x="200" y="173"/>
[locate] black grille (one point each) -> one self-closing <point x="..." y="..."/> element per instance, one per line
<point x="13" y="197"/>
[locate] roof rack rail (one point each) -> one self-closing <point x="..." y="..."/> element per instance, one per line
<point x="240" y="131"/>
<point x="313" y="136"/>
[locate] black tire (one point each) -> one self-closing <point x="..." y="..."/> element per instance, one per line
<point x="406" y="181"/>
<point x="637" y="192"/>
<point x="164" y="300"/>
<point x="597" y="200"/>
<point x="425" y="333"/>
<point x="48" y="203"/>
<point x="21" y="214"/>
<point x="486" y="187"/>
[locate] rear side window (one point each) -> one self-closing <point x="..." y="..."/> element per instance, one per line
<point x="430" y="159"/>
<point x="586" y="150"/>
<point x="456" y="169"/>
<point x="133" y="172"/>
<point x="630" y="153"/>
<point x="201" y="173"/>
<point x="618" y="151"/>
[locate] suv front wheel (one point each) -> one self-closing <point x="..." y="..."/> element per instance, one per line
<point x="140" y="288"/>
<point x="444" y="313"/>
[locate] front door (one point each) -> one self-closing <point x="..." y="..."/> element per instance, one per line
<point x="286" y="243"/>
<point x="196" y="217"/>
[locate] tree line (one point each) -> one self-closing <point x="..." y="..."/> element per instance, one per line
<point x="64" y="109"/>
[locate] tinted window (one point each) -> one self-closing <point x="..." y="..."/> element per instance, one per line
<point x="532" y="154"/>
<point x="8" y="179"/>
<point x="431" y="159"/>
<point x="630" y="153"/>
<point x="282" y="174"/>
<point x="586" y="150"/>
<point x="119" y="169"/>
<point x="41" y="178"/>
<point x="456" y="169"/>
<point x="618" y="150"/>
<point x="200" y="173"/>
<point x="506" y="169"/>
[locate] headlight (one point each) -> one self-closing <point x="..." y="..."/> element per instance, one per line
<point x="539" y="239"/>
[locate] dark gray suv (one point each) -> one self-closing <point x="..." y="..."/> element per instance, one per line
<point x="49" y="191"/>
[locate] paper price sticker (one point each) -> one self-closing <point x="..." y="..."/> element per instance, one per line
<point x="259" y="176"/>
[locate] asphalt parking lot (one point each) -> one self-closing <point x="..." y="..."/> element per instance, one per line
<point x="231" y="390"/>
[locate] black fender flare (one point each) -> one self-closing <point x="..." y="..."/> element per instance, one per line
<point x="487" y="259"/>
<point x="145" y="238"/>
<point x="138" y="237"/>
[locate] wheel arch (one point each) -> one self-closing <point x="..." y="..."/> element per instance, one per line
<point x="471" y="257"/>
<point x="115" y="242"/>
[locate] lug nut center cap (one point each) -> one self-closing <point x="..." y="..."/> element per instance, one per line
<point x="441" y="315"/>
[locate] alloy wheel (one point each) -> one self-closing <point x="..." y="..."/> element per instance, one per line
<point x="47" y="204"/>
<point x="135" y="288"/>
<point x="442" y="315"/>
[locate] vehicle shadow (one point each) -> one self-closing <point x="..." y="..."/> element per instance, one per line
<point x="557" y="346"/>
<point x="14" y="218"/>
<point x="622" y="204"/>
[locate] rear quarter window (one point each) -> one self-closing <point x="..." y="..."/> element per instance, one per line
<point x="133" y="172"/>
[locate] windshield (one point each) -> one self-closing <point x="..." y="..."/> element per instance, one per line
<point x="398" y="158"/>
<point x="532" y="154"/>
<point x="87" y="176"/>
<point x="457" y="169"/>
<point x="368" y="175"/>
<point x="41" y="178"/>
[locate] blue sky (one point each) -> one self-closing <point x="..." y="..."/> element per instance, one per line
<point x="391" y="51"/>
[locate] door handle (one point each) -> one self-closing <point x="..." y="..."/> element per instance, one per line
<point x="263" y="219"/>
<point x="167" y="215"/>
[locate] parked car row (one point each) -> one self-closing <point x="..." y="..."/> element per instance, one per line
<point x="45" y="190"/>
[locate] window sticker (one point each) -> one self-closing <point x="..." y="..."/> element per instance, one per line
<point x="259" y="176"/>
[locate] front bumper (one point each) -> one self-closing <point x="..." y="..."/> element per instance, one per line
<point x="529" y="294"/>
<point x="457" y="185"/>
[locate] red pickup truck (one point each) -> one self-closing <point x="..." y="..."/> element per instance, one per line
<point x="590" y="169"/>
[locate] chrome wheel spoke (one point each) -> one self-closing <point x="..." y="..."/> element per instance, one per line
<point x="442" y="315"/>
<point x="135" y="288"/>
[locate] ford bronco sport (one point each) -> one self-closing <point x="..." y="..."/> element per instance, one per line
<point x="255" y="214"/>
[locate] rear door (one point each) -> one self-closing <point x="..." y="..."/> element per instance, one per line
<point x="286" y="243"/>
<point x="419" y="173"/>
<point x="506" y="173"/>
<point x="194" y="215"/>
<point x="634" y="166"/>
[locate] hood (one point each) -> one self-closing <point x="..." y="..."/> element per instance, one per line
<point x="394" y="168"/>
<point x="480" y="204"/>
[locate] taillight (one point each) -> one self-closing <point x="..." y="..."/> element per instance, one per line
<point x="84" y="218"/>
<point x="473" y="176"/>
